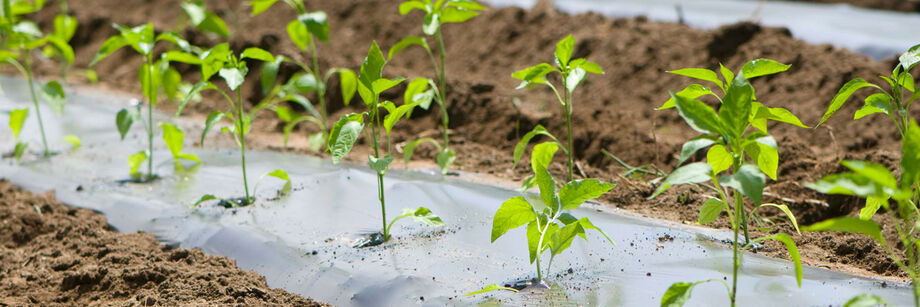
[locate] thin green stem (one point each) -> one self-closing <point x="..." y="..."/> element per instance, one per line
<point x="442" y="81"/>
<point x="568" y="124"/>
<point x="321" y="93"/>
<point x="241" y="134"/>
<point x="736" y="256"/>
<point x="28" y="72"/>
<point x="152" y="96"/>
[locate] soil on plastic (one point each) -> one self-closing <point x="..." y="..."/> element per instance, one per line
<point x="55" y="255"/>
<point x="614" y="112"/>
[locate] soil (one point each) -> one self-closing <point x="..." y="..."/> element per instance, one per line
<point x="52" y="254"/>
<point x="614" y="112"/>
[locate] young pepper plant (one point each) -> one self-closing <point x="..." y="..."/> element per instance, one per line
<point x="153" y="75"/>
<point x="550" y="227"/>
<point x="347" y="130"/>
<point x="436" y="14"/>
<point x="20" y="39"/>
<point x="746" y="156"/>
<point x="304" y="32"/>
<point x="573" y="72"/>
<point x="232" y="68"/>
<point x="875" y="182"/>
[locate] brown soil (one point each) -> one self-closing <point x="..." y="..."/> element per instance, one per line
<point x="615" y="111"/>
<point x="55" y="255"/>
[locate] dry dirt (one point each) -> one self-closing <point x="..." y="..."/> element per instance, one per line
<point x="615" y="111"/>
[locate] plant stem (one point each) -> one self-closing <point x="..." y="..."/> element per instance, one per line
<point x="443" y="84"/>
<point x="568" y="124"/>
<point x="242" y="136"/>
<point x="736" y="256"/>
<point x="38" y="112"/>
<point x="152" y="96"/>
<point x="321" y="93"/>
<point x="380" y="193"/>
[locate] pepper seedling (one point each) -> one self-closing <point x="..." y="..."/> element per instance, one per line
<point x="347" y="130"/>
<point x="875" y="182"/>
<point x="204" y="20"/>
<point x="747" y="157"/>
<point x="436" y="14"/>
<point x="232" y="68"/>
<point x="573" y="72"/>
<point x="20" y="39"/>
<point x="550" y="226"/>
<point x="304" y="32"/>
<point x="153" y="76"/>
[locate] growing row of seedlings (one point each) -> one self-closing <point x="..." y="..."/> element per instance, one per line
<point x="740" y="152"/>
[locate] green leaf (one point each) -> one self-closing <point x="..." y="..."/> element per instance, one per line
<point x="764" y="152"/>
<point x="456" y="15"/>
<point x="793" y="253"/>
<point x="123" y="121"/>
<point x="533" y="239"/>
<point x="395" y="115"/>
<point x="407" y="42"/>
<point x="431" y="24"/>
<point x="299" y="34"/>
<point x="213" y="60"/>
<point x="700" y="74"/>
<point x="408" y="6"/>
<point x="259" y="6"/>
<point x="63" y="47"/>
<point x="910" y="156"/>
<point x="317" y="24"/>
<point x="409" y="149"/>
<point x="303" y="82"/>
<point x="719" y="158"/>
<point x="204" y="20"/>
<point x="234" y="77"/>
<point x="269" y="75"/>
<point x="875" y="172"/>
<point x="910" y="58"/>
<point x="372" y="68"/>
<point x="174" y="139"/>
<point x="698" y="115"/>
<point x="209" y="123"/>
<point x="588" y="225"/>
<point x="575" y="77"/>
<point x="726" y="73"/>
<point x="172" y="80"/>
<point x="17" y="119"/>
<point x="522" y="144"/>
<point x="710" y="211"/>
<point x="763" y="67"/>
<point x="140" y="38"/>
<point x="343" y="135"/>
<point x="257" y="54"/>
<point x="677" y="294"/>
<point x="414" y="88"/>
<point x="691" y="147"/>
<point x="564" y="49"/>
<point x="736" y="106"/>
<point x="589" y="66"/>
<point x="784" y="116"/>
<point x="865" y="300"/>
<point x="53" y="93"/>
<point x="315" y="141"/>
<point x="348" y="82"/>
<point x="176" y="39"/>
<point x="381" y="85"/>
<point x="576" y="192"/>
<point x="513" y="213"/>
<point x="562" y="239"/>
<point x="690" y="173"/>
<point x="135" y="161"/>
<point x="192" y="93"/>
<point x="181" y="57"/>
<point x="490" y="287"/>
<point x="785" y="209"/>
<point x="875" y="103"/>
<point x="381" y="165"/>
<point x="540" y="159"/>
<point x="849" y="224"/>
<point x="873" y="203"/>
<point x="445" y="159"/>
<point x="422" y="215"/>
<point x="74" y="141"/>
<point x="283" y="175"/>
<point x="847" y="184"/>
<point x="748" y="180"/>
<point x="692" y="91"/>
<point x="534" y="74"/>
<point x="205" y="198"/>
<point x="19" y="150"/>
<point x="843" y="95"/>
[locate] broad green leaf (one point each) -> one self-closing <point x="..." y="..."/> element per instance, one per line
<point x="348" y="82"/>
<point x="588" y="225"/>
<point x="383" y="84"/>
<point x="465" y="4"/>
<point x="875" y="103"/>
<point x="53" y="93"/>
<point x="140" y="38"/>
<point x="564" y="49"/>
<point x="381" y="165"/>
<point x="691" y="147"/>
<point x="847" y="184"/>
<point x="19" y="150"/>
<point x="764" y="152"/>
<point x="213" y="60"/>
<point x="700" y="74"/>
<point x="719" y="158"/>
<point x="192" y="93"/>
<point x="74" y="141"/>
<point x="522" y="144"/>
<point x="176" y="39"/>
<point x="793" y="253"/>
<point x="123" y="121"/>
<point x="181" y="57"/>
<point x="316" y="141"/>
<point x="422" y="215"/>
<point x="173" y="137"/>
<point x="490" y="287"/>
<point x="534" y="74"/>
<point x="710" y="211"/>
<point x="562" y="239"/>
<point x="875" y="172"/>
<point x="257" y="54"/>
<point x="533" y="239"/>
<point x="873" y="203"/>
<point x="171" y="80"/>
<point x="286" y="114"/>
<point x="851" y="225"/>
<point x="540" y="159"/>
<point x="407" y="42"/>
<point x="910" y="156"/>
<point x="677" y="294"/>
<point x="209" y="123"/>
<point x="417" y="86"/>
<point x="762" y="67"/>
<point x="445" y="159"/>
<point x="456" y="15"/>
<point x="134" y="163"/>
<point x="575" y="77"/>
<point x="410" y="147"/>
<point x="788" y="213"/>
<point x="589" y="66"/>
<point x="727" y="74"/>
<point x="372" y="68"/>
<point x="343" y="136"/>
<point x="269" y="75"/>
<point x="63" y="47"/>
<point x="576" y="192"/>
<point x="299" y="34"/>
<point x="204" y="20"/>
<point x="843" y="95"/>
<point x="283" y="175"/>
<point x="233" y="76"/>
<point x="698" y="115"/>
<point x="692" y="91"/>
<point x="736" y="106"/>
<point x="259" y="6"/>
<point x="690" y="173"/>
<point x="408" y="6"/>
<point x="748" y="180"/>
<point x="866" y="300"/>
<point x="784" y="116"/>
<point x="911" y="57"/>
<point x="513" y="213"/>
<point x="17" y="119"/>
<point x="317" y="24"/>
<point x="110" y="45"/>
<point x="303" y="82"/>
